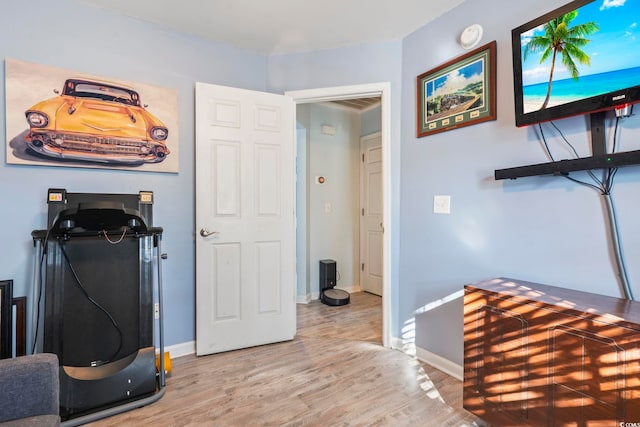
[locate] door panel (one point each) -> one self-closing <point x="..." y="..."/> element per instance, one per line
<point x="245" y="235"/>
<point x="268" y="262"/>
<point x="268" y="180"/>
<point x="227" y="178"/>
<point x="226" y="281"/>
<point x="371" y="220"/>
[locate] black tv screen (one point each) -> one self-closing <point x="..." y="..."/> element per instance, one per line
<point x="581" y="58"/>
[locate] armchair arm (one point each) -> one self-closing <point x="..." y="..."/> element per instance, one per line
<point x="29" y="386"/>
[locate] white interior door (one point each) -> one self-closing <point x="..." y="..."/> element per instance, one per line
<point x="371" y="220"/>
<point x="245" y="229"/>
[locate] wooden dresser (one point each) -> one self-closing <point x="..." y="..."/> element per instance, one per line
<point x="546" y="356"/>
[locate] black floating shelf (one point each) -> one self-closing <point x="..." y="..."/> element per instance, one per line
<point x="563" y="167"/>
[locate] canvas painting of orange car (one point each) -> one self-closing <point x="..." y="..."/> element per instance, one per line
<point x="55" y="117"/>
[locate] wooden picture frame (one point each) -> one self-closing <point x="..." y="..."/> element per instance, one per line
<point x="6" y="319"/>
<point x="21" y="325"/>
<point x="459" y="93"/>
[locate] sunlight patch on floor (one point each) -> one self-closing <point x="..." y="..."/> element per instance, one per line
<point x="408" y="345"/>
<point x="409" y="348"/>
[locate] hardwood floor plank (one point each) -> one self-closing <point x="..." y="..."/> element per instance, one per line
<point x="334" y="373"/>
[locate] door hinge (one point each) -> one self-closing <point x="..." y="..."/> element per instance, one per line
<point x="363" y="266"/>
<point x="362" y="157"/>
<point x="362" y="211"/>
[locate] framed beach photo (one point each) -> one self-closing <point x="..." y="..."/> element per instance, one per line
<point x="461" y="92"/>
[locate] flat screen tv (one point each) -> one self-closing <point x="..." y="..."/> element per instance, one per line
<point x="581" y="58"/>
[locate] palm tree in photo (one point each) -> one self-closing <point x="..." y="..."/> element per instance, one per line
<point x="560" y="38"/>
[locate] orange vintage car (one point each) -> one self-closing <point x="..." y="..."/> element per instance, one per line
<point x="97" y="122"/>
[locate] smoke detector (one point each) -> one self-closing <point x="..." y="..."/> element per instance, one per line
<point x="471" y="36"/>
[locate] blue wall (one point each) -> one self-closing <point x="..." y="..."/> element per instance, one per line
<point x="71" y="35"/>
<point x="541" y="229"/>
<point x="371" y="121"/>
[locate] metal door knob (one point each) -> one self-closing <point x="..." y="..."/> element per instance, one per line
<point x="206" y="233"/>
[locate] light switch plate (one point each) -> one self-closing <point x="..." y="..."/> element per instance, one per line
<point x="441" y="204"/>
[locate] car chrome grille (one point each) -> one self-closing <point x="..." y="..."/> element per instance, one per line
<point x="103" y="145"/>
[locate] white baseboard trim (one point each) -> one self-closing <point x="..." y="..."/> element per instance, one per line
<point x="182" y="349"/>
<point x="352" y="289"/>
<point x="303" y="299"/>
<point x="396" y="343"/>
<point x="439" y="362"/>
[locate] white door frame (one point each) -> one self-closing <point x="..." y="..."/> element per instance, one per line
<point x="365" y="91"/>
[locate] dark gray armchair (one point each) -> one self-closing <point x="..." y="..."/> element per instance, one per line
<point x="29" y="391"/>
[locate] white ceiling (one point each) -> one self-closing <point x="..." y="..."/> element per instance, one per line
<point x="286" y="26"/>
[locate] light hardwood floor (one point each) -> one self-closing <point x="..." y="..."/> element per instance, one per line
<point x="334" y="373"/>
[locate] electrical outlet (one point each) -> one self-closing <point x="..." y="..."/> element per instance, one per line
<point x="156" y="311"/>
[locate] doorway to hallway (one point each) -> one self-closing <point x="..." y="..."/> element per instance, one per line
<point x="381" y="90"/>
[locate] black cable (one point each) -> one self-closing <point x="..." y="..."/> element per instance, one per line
<point x="565" y="139"/>
<point x="611" y="172"/>
<point x="586" y="184"/>
<point x="544" y="141"/>
<point x="598" y="188"/>
<point x="615" y="133"/>
<point x="92" y="301"/>
<point x="611" y="176"/>
<point x="604" y="187"/>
